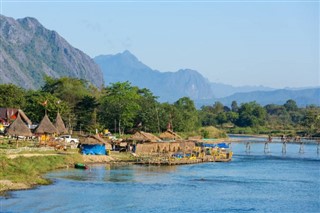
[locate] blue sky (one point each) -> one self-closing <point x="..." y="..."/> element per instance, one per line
<point x="270" y="43"/>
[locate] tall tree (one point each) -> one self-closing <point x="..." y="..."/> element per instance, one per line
<point x="38" y="103"/>
<point x="86" y="111"/>
<point x="119" y="106"/>
<point x="187" y="117"/>
<point x="251" y="115"/>
<point x="234" y="106"/>
<point x="12" y="96"/>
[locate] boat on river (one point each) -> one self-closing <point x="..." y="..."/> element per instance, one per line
<point x="80" y="166"/>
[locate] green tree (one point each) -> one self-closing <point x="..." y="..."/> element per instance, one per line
<point x="86" y="111"/>
<point x="207" y="116"/>
<point x="12" y="96"/>
<point x="234" y="106"/>
<point x="148" y="117"/>
<point x="35" y="109"/>
<point x="70" y="90"/>
<point x="186" y="116"/>
<point x="311" y="119"/>
<point x="251" y="115"/>
<point x="291" y="105"/>
<point x="119" y="106"/>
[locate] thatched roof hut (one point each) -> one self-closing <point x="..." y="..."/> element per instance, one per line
<point x="59" y="124"/>
<point x="19" y="128"/>
<point x="165" y="147"/>
<point x="7" y="114"/>
<point x="144" y="137"/>
<point x="46" y="127"/>
<point x="92" y="139"/>
<point x="93" y="145"/>
<point x="169" y="135"/>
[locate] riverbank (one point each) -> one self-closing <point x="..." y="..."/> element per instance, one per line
<point x="21" y="171"/>
<point x="24" y="171"/>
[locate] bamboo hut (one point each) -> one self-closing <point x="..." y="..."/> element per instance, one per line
<point x="9" y="114"/>
<point x="59" y="124"/>
<point x="45" y="130"/>
<point x="18" y="128"/>
<point x="141" y="136"/>
<point x="93" y="145"/>
<point x="165" y="147"/>
<point x="169" y="135"/>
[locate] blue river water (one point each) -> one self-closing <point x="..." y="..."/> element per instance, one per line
<point x="251" y="182"/>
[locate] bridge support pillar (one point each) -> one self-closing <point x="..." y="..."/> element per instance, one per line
<point x="248" y="147"/>
<point x="318" y="148"/>
<point x="266" y="147"/>
<point x="301" y="150"/>
<point x="284" y="147"/>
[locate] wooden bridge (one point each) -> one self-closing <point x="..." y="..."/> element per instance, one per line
<point x="285" y="141"/>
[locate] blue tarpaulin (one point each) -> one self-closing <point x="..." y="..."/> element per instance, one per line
<point x="95" y="149"/>
<point x="219" y="145"/>
<point x="209" y="145"/>
<point x="223" y="145"/>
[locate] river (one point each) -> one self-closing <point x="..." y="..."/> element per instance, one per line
<point x="251" y="182"/>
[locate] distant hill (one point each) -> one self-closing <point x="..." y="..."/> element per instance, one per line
<point x="224" y="90"/>
<point x="303" y="97"/>
<point x="169" y="86"/>
<point x="29" y="51"/>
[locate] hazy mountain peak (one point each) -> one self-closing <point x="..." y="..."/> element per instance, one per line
<point x="169" y="86"/>
<point x="29" y="51"/>
<point x="29" y="22"/>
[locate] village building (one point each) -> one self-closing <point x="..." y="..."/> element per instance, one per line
<point x="8" y="115"/>
<point x="45" y="130"/>
<point x="169" y="135"/>
<point x="93" y="145"/>
<point x="59" y="124"/>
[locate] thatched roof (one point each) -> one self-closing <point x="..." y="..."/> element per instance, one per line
<point x="19" y="128"/>
<point x="169" y="135"/>
<point x="92" y="140"/>
<point x="46" y="126"/>
<point x="7" y="114"/>
<point x="59" y="124"/>
<point x="144" y="137"/>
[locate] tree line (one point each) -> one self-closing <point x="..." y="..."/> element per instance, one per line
<point x="122" y="108"/>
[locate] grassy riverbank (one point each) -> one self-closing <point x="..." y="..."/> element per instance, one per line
<point x="24" y="172"/>
<point x="26" y="169"/>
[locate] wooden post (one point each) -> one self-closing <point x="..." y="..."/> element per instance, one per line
<point x="248" y="147"/>
<point x="284" y="147"/>
<point x="301" y="150"/>
<point x="266" y="147"/>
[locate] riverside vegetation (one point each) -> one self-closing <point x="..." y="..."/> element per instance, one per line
<point x="121" y="107"/>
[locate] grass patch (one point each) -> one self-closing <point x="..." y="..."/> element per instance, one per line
<point x="122" y="156"/>
<point x="29" y="170"/>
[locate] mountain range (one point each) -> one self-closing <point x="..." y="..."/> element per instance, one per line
<point x="29" y="51"/>
<point x="168" y="86"/>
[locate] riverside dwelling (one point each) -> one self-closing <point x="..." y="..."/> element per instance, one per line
<point x="169" y="135"/>
<point x="8" y="115"/>
<point x="45" y="130"/>
<point x="93" y="145"/>
<point x="59" y="124"/>
<point x="18" y="128"/>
